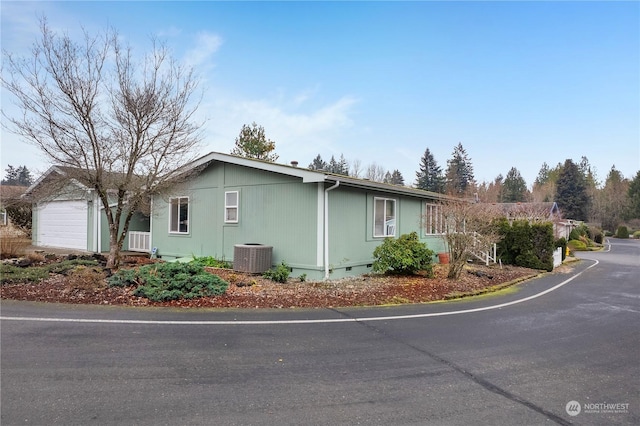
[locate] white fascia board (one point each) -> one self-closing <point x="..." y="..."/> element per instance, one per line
<point x="307" y="176"/>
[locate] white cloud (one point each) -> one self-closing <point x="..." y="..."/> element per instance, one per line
<point x="206" y="44"/>
<point x="298" y="134"/>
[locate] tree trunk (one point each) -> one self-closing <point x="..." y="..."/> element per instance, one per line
<point x="113" y="260"/>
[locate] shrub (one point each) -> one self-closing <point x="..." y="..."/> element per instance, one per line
<point x="84" y="278"/>
<point x="527" y="245"/>
<point x="10" y="274"/>
<point x="13" y="246"/>
<point x="16" y="274"/>
<point x="574" y="235"/>
<point x="279" y="273"/>
<point x="598" y="238"/>
<point x="212" y="262"/>
<point x="404" y="255"/>
<point x="170" y="281"/>
<point x="577" y="245"/>
<point x="622" y="232"/>
<point x="636" y="235"/>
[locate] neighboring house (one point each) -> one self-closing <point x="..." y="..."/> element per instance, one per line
<point x="67" y="214"/>
<point x="539" y="212"/>
<point x="9" y="194"/>
<point x="320" y="224"/>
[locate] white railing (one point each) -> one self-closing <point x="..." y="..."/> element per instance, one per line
<point x="485" y="252"/>
<point x="140" y="241"/>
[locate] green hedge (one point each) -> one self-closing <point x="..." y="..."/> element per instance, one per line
<point x="527" y="245"/>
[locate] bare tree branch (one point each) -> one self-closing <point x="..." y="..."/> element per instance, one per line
<point x="119" y="127"/>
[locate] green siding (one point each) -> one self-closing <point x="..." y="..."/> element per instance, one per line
<point x="280" y="211"/>
<point x="275" y="210"/>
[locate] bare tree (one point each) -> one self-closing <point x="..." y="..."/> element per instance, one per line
<point x="468" y="228"/>
<point x="356" y="168"/>
<point x="118" y="126"/>
<point x="374" y="172"/>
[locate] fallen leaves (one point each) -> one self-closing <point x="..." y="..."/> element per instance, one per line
<point x="252" y="291"/>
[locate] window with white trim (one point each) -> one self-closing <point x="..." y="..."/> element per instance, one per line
<point x="231" y="203"/>
<point x="3" y="217"/>
<point x="179" y="215"/>
<point x="384" y="217"/>
<point x="433" y="219"/>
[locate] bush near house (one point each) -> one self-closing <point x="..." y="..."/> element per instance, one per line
<point x="405" y="255"/>
<point x="279" y="273"/>
<point x="577" y="245"/>
<point x="170" y="281"/>
<point x="527" y="245"/>
<point x="622" y="232"/>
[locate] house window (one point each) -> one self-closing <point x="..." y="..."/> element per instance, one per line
<point x="179" y="217"/>
<point x="433" y="220"/>
<point x="384" y="217"/>
<point x="3" y="217"/>
<point x="231" y="207"/>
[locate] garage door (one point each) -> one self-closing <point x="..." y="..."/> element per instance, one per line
<point x="63" y="224"/>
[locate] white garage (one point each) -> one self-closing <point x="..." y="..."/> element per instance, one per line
<point x="62" y="224"/>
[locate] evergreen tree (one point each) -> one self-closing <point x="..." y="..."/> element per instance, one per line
<point x="343" y="166"/>
<point x="459" y="176"/>
<point x="514" y="189"/>
<point x="253" y="143"/>
<point x="396" y="178"/>
<point x="20" y="176"/>
<point x="633" y="194"/>
<point x="543" y="175"/>
<point x="571" y="192"/>
<point x="429" y="177"/>
<point x="333" y="166"/>
<point x="318" y="164"/>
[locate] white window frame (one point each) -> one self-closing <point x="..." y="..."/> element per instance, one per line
<point x="231" y="207"/>
<point x="433" y="219"/>
<point x="3" y="214"/>
<point x="390" y="223"/>
<point x="178" y="222"/>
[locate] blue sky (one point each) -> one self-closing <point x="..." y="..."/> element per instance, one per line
<point x="517" y="83"/>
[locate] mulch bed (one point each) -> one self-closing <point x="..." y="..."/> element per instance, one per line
<point x="251" y="291"/>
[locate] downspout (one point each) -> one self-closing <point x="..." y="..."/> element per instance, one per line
<point x="96" y="223"/>
<point x="326" y="228"/>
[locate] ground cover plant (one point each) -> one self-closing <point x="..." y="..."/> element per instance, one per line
<point x="170" y="281"/>
<point x="87" y="284"/>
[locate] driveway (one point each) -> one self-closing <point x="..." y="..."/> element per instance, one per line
<point x="519" y="357"/>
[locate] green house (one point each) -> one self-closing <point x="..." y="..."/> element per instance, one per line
<point x="320" y="224"/>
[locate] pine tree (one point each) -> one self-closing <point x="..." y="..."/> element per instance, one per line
<point x="318" y="164"/>
<point x="17" y="176"/>
<point x="459" y="176"/>
<point x="633" y="194"/>
<point x="429" y="177"/>
<point x="514" y="188"/>
<point x="396" y="178"/>
<point x="571" y="192"/>
<point x="253" y="143"/>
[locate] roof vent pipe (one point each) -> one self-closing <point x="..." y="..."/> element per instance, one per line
<point x="294" y="163"/>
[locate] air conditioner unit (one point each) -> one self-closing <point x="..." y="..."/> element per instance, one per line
<point x="252" y="258"/>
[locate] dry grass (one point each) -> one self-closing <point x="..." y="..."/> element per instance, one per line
<point x="11" y="246"/>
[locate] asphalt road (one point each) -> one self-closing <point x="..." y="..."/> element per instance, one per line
<point x="515" y="358"/>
